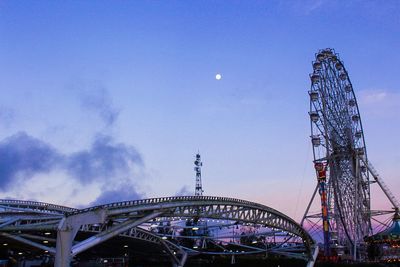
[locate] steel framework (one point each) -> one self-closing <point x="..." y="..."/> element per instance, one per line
<point x="197" y="168"/>
<point x="161" y="221"/>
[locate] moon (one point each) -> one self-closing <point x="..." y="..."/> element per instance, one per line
<point x="218" y="76"/>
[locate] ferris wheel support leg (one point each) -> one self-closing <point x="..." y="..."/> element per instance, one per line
<point x="311" y="262"/>
<point x="382" y="184"/>
<point x="309" y="205"/>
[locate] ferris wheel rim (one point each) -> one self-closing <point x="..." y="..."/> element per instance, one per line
<point x="355" y="105"/>
<point x="330" y="137"/>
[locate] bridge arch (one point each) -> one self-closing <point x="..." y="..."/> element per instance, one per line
<point x="136" y="219"/>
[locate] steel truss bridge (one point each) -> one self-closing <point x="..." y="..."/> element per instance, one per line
<point x="183" y="226"/>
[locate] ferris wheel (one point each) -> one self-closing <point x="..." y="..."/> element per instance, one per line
<point x="340" y="155"/>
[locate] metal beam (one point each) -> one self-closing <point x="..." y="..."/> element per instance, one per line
<point x="311" y="261"/>
<point x="95" y="219"/>
<point x="8" y="222"/>
<point x="29" y="242"/>
<point x="111" y="232"/>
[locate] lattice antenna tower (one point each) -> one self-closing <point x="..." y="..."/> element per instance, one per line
<point x="197" y="168"/>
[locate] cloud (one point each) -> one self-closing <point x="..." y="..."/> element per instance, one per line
<point x="184" y="191"/>
<point x="103" y="161"/>
<point x="23" y="155"/>
<point x="373" y="96"/>
<point x="311" y="6"/>
<point x="382" y="103"/>
<point x="121" y="193"/>
<point x="99" y="101"/>
<point x="110" y="170"/>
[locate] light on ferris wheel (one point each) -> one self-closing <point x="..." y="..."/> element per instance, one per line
<point x="314" y="116"/>
<point x="347" y="88"/>
<point x="352" y="102"/>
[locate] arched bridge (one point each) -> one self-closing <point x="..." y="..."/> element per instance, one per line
<point x="183" y="226"/>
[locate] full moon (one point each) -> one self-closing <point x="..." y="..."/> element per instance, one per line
<point x="218" y="76"/>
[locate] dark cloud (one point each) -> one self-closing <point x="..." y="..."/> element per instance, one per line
<point x="103" y="161"/>
<point x="23" y="155"/>
<point x="106" y="162"/>
<point x="100" y="101"/>
<point x="122" y="193"/>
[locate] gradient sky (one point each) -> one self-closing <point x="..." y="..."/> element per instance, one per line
<point x="110" y="100"/>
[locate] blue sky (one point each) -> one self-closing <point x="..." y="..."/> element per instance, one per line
<point x="129" y="88"/>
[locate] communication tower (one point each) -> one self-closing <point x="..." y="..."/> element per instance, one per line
<point x="197" y="168"/>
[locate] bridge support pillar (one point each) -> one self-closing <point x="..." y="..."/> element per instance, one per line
<point x="311" y="261"/>
<point x="66" y="232"/>
<point x="63" y="248"/>
<point x="179" y="262"/>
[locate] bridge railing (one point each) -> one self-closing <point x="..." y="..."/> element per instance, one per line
<point x="34" y="205"/>
<point x="167" y="199"/>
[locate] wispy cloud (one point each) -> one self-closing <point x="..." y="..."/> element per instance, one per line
<point x="99" y="101"/>
<point x="105" y="171"/>
<point x="305" y="7"/>
<point x="111" y="167"/>
<point x="379" y="102"/>
<point x="312" y="5"/>
<point x="370" y="97"/>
